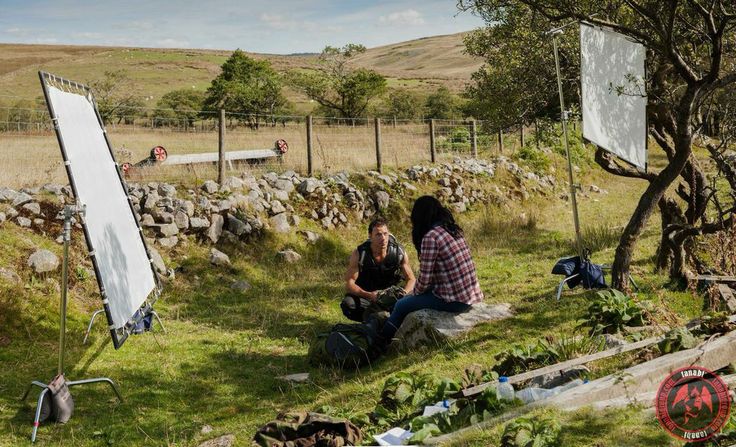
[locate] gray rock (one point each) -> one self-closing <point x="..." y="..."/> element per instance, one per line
<point x="38" y="222"/>
<point x="167" y="230"/>
<point x="33" y="208"/>
<point x="215" y="230"/>
<point x="3" y="217"/>
<point x="210" y="187"/>
<point x="158" y="261"/>
<point x="283" y="185"/>
<point x="237" y="226"/>
<point x="612" y="341"/>
<point x="277" y="207"/>
<point x="386" y="179"/>
<point x="241" y="286"/>
<point x="161" y="216"/>
<point x="7" y="194"/>
<point x="560" y="378"/>
<point x="382" y="199"/>
<point x="409" y="187"/>
<point x="206" y="429"/>
<point x="280" y="223"/>
<point x="9" y="276"/>
<point x="289" y="256"/>
<point x="21" y="198"/>
<point x="295" y="378"/>
<point x="310" y="236"/>
<point x="23" y="222"/>
<point x="458" y="207"/>
<point x="181" y="220"/>
<point x="188" y="207"/>
<point x="222" y="441"/>
<point x="168" y="242"/>
<point x="270" y="177"/>
<point x="224" y="205"/>
<point x="11" y="213"/>
<point x="327" y="222"/>
<point x="233" y="183"/>
<point x="197" y="223"/>
<point x="219" y="258"/>
<point x="203" y="202"/>
<point x="309" y="186"/>
<point x="295" y="220"/>
<point x="278" y="194"/>
<point x="166" y="190"/>
<point x="43" y="261"/>
<point x="430" y="326"/>
<point x="147" y="221"/>
<point x="53" y="189"/>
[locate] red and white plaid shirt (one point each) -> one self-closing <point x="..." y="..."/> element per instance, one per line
<point x="446" y="267"/>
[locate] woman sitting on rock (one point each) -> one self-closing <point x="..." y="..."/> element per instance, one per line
<point x="447" y="280"/>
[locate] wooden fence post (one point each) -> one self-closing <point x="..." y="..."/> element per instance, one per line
<point x="521" y="135"/>
<point x="309" y="145"/>
<point x="474" y="138"/>
<point x="500" y="141"/>
<point x="378" y="143"/>
<point x="432" y="149"/>
<point x="221" y="149"/>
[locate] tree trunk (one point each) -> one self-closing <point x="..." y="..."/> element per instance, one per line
<point x="671" y="214"/>
<point x="654" y="192"/>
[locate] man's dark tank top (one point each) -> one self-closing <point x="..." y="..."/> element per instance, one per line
<point x="374" y="276"/>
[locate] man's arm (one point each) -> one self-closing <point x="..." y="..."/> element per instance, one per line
<point x="408" y="274"/>
<point x="352" y="275"/>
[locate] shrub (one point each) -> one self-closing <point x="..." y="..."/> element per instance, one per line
<point x="531" y="432"/>
<point x="535" y="159"/>
<point x="611" y="310"/>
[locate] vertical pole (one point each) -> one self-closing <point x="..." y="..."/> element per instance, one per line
<point x="563" y="116"/>
<point x="500" y="141"/>
<point x="309" y="145"/>
<point x="64" y="285"/>
<point x="394" y="121"/>
<point x="378" y="143"/>
<point x="521" y="135"/>
<point x="432" y="148"/>
<point x="221" y="149"/>
<point x="474" y="138"/>
<point x="536" y="133"/>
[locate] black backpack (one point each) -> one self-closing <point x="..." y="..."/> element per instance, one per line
<point x="346" y="346"/>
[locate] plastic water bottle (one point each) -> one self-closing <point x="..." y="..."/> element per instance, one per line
<point x="504" y="389"/>
<point x="531" y="394"/>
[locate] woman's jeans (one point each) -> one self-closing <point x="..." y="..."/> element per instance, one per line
<point x="410" y="303"/>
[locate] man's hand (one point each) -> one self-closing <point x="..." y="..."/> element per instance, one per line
<point x="372" y="296"/>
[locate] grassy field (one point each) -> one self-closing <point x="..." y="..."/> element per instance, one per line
<point x="219" y="361"/>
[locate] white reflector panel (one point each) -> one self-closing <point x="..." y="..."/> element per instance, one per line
<point x="614" y="106"/>
<point x="120" y="256"/>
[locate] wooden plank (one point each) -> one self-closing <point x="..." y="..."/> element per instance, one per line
<point x="715" y="278"/>
<point x="638" y="379"/>
<point x="212" y="157"/>
<point x="728" y="298"/>
<point x="567" y="364"/>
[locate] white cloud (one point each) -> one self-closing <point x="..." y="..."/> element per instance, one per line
<point x="15" y="30"/>
<point x="410" y="17"/>
<point x="172" y="43"/>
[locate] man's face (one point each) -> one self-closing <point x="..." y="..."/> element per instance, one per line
<point x="379" y="236"/>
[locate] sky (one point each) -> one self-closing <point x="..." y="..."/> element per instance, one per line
<point x="276" y="26"/>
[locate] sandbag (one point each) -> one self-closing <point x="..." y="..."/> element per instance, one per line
<point x="62" y="404"/>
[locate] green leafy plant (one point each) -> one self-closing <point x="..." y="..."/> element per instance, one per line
<point x="714" y="323"/>
<point x="520" y="358"/>
<point x="531" y="432"/>
<point x="611" y="310"/>
<point x="677" y="340"/>
<point x="534" y="159"/>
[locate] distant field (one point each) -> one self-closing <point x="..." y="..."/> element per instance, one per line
<point x="421" y="64"/>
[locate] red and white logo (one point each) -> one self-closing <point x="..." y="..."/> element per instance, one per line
<point x="693" y="404"/>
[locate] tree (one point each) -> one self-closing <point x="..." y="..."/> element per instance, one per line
<point x="115" y="97"/>
<point x="689" y="44"/>
<point x="336" y="86"/>
<point x="245" y="86"/>
<point x="517" y="82"/>
<point x="180" y="105"/>
<point x="441" y="104"/>
<point x="402" y="104"/>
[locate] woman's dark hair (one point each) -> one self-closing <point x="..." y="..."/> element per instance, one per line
<point x="427" y="213"/>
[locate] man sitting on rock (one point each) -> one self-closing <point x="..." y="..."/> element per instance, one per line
<point x="376" y="268"/>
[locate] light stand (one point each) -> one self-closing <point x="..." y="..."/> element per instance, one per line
<point x="69" y="212"/>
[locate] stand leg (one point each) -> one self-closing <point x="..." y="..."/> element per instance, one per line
<point x="36" y="421"/>
<point x="155" y="315"/>
<point x="98" y="380"/>
<point x="562" y="284"/>
<point x="28" y="390"/>
<point x="89" y="327"/>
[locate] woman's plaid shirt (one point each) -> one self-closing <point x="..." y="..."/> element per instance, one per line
<point x="445" y="267"/>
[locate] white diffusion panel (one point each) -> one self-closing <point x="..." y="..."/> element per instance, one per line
<point x="613" y="93"/>
<point x="121" y="258"/>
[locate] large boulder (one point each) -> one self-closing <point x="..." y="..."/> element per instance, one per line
<point x="428" y="326"/>
<point x="280" y="223"/>
<point x="42" y="261"/>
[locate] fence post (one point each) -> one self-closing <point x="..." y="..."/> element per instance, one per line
<point x="432" y="148"/>
<point x="521" y="134"/>
<point x="221" y="149"/>
<point x="536" y="133"/>
<point x="309" y="145"/>
<point x="500" y="141"/>
<point x="394" y="121"/>
<point x="378" y="144"/>
<point x="474" y="138"/>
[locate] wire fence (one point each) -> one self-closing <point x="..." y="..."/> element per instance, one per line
<point x="31" y="156"/>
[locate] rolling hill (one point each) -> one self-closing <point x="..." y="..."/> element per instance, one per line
<point x="418" y="64"/>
